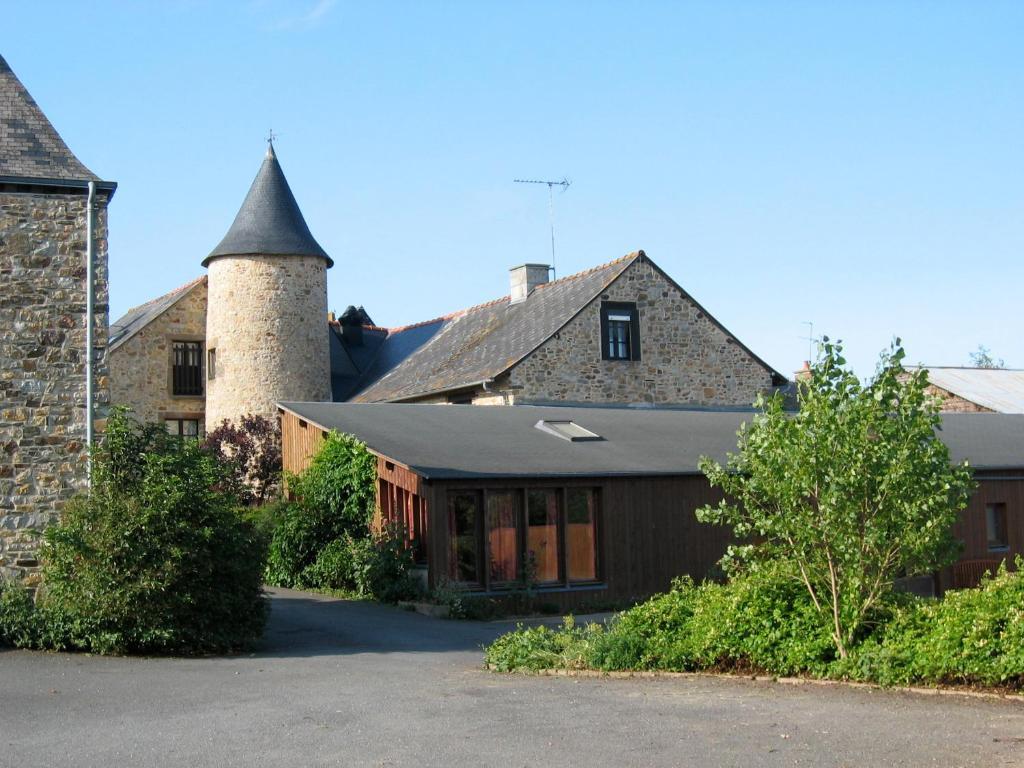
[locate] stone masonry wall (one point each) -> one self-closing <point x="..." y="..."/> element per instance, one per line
<point x="685" y="357"/>
<point x="140" y="368"/>
<point x="42" y="364"/>
<point x="266" y="317"/>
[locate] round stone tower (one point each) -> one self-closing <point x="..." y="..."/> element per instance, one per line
<point x="266" y="315"/>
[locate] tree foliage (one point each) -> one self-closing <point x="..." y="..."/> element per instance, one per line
<point x="155" y="557"/>
<point x="252" y="448"/>
<point x="853" y="490"/>
<point x="982" y="358"/>
<point x="334" y="500"/>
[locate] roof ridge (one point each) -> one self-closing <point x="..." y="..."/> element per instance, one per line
<point x="162" y="296"/>
<point x="461" y="312"/>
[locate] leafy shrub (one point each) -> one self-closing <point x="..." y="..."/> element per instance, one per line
<point x="340" y="482"/>
<point x="155" y="557"/>
<point x="535" y="648"/>
<point x="334" y="501"/>
<point x="19" y="621"/>
<point x="381" y="566"/>
<point x="763" y="621"/>
<point x="971" y="636"/>
<point x="252" y="449"/>
<point x="333" y="567"/>
<point x="300" y="532"/>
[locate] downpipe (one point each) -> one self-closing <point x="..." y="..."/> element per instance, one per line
<point x="90" y="300"/>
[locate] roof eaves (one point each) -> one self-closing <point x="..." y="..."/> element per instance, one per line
<point x="181" y="290"/>
<point x="76" y="186"/>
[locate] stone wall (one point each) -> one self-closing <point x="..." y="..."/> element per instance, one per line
<point x="266" y="318"/>
<point x="686" y="358"/>
<point x="140" y="367"/>
<point x="42" y="363"/>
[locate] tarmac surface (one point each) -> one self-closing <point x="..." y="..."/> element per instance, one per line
<point x="341" y="683"/>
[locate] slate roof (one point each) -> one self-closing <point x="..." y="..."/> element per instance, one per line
<point x="998" y="389"/>
<point x="269" y="222"/>
<point x="30" y="147"/>
<point x="137" y="318"/>
<point x="463" y="441"/>
<point x="479" y="343"/>
<point x="466" y="348"/>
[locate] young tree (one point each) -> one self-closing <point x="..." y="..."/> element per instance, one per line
<point x="252" y="447"/>
<point x="854" y="490"/>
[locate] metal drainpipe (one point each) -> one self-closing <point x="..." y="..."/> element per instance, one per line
<point x="89" y="302"/>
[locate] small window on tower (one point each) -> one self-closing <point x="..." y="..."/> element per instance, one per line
<point x="211" y="364"/>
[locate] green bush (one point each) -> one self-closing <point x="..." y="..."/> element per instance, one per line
<point x="155" y="558"/>
<point x="340" y="483"/>
<point x="300" y="533"/>
<point x="334" y="501"/>
<point x="971" y="637"/>
<point x="764" y="621"/>
<point x="19" y="621"/>
<point x="333" y="567"/>
<point x="381" y="566"/>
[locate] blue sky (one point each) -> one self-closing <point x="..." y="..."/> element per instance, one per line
<point x="858" y="165"/>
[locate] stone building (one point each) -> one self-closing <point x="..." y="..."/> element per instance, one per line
<point x="44" y="207"/>
<point x="251" y="332"/>
<point x="621" y="333"/>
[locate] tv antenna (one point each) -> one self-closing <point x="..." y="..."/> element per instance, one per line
<point x="810" y="338"/>
<point x="564" y="184"/>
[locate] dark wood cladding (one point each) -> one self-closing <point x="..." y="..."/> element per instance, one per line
<point x="971" y="529"/>
<point x="647" y="531"/>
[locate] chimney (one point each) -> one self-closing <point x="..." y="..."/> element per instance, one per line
<point x="804" y="374"/>
<point x="525" y="278"/>
<point x="352" y="327"/>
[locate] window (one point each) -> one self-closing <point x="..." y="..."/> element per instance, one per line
<point x="187" y="368"/>
<point x="211" y="364"/>
<point x="542" y="534"/>
<point x="187" y="428"/>
<point x="580" y="534"/>
<point x="503" y="535"/>
<point x="463" y="527"/>
<point x="620" y="331"/>
<point x="995" y="524"/>
<point x="547" y="536"/>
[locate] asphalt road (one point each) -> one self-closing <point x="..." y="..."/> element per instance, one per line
<point x="356" y="684"/>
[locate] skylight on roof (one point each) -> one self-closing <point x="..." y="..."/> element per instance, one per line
<point x="567" y="430"/>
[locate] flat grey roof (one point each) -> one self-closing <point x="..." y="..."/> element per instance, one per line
<point x="466" y="441"/>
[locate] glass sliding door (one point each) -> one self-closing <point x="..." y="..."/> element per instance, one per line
<point x="542" y="545"/>
<point x="580" y="533"/>
<point x="503" y="516"/>
<point x="464" y="529"/>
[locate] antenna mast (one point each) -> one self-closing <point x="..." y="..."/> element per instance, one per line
<point x="564" y="184"/>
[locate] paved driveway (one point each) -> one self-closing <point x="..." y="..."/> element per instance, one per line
<point x="357" y="684"/>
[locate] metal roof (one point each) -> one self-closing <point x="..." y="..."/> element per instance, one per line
<point x="137" y="318"/>
<point x="465" y="441"/>
<point x="998" y="389"/>
<point x="269" y="223"/>
<point x="30" y="147"/>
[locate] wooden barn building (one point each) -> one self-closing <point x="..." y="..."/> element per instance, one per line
<point x="597" y="503"/>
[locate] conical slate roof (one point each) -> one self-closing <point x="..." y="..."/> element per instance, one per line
<point x="30" y="147"/>
<point x="269" y="223"/>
